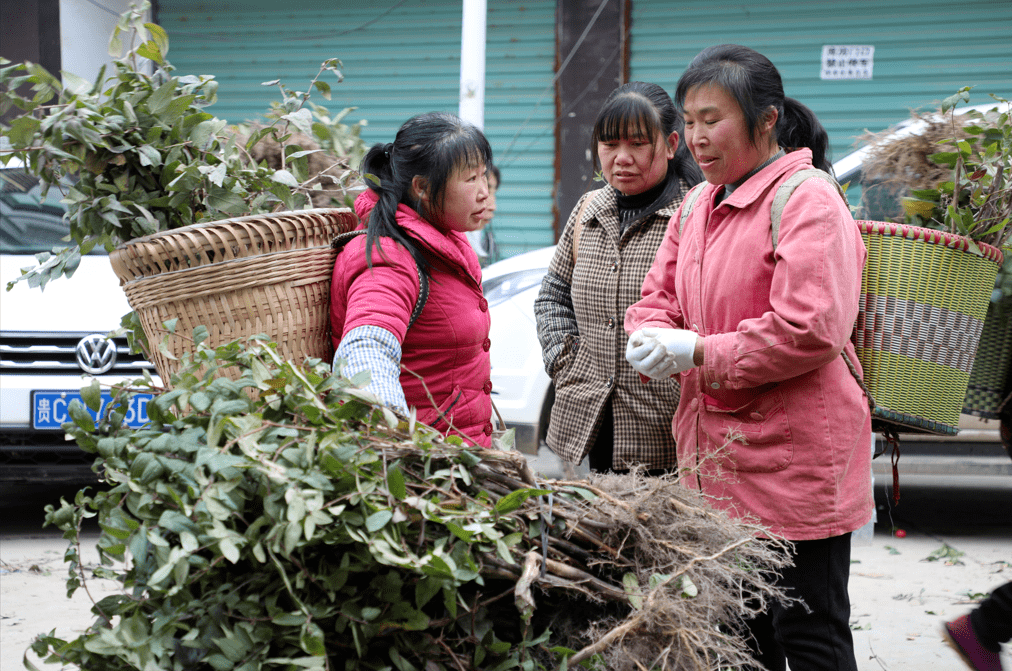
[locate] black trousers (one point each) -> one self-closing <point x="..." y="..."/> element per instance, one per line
<point x="603" y="449"/>
<point x="992" y="619"/>
<point x="817" y="639"/>
<point x="602" y="452"/>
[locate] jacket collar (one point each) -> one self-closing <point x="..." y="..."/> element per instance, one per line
<point x="604" y="207"/>
<point x="759" y="183"/>
<point x="449" y="246"/>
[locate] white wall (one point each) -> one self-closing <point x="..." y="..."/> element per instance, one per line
<point x="84" y="34"/>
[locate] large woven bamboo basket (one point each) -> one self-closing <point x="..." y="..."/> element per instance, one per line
<point x="238" y="277"/>
<point x="924" y="299"/>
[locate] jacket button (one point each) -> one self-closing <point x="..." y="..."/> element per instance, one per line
<point x="614" y="267"/>
<point x="486" y="345"/>
<point x="714" y="385"/>
<point x="483" y="305"/>
<point x="756" y="416"/>
<point x="488" y="428"/>
<point x="610" y="323"/>
<point x="609" y="382"/>
<point x="694" y="404"/>
<point x="487" y="388"/>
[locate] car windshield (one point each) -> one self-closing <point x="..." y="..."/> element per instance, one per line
<point x="28" y="223"/>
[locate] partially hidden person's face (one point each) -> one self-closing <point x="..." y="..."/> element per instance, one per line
<point x="635" y="164"/>
<point x="465" y="201"/>
<point x="717" y="136"/>
<point x="493" y="186"/>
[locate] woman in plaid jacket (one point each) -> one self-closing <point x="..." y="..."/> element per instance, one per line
<point x="601" y="407"/>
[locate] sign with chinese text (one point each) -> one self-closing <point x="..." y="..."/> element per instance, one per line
<point x="847" y="61"/>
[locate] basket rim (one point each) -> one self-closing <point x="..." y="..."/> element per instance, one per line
<point x="170" y="275"/>
<point x="287" y="214"/>
<point x="914" y="423"/>
<point x="959" y="243"/>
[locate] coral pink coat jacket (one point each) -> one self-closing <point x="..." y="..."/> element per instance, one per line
<point x="448" y="345"/>
<point x="774" y="420"/>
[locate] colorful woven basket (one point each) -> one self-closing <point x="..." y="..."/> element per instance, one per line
<point x="924" y="299"/>
<point x="986" y="388"/>
<point x="237" y="277"/>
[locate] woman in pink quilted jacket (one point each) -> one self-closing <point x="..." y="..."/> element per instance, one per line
<point x="406" y="299"/>
<point x="771" y="420"/>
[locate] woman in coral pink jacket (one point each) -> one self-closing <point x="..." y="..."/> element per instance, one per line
<point x="771" y="419"/>
<point x="432" y="189"/>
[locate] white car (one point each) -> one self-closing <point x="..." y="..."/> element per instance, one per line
<point x="523" y="392"/>
<point x="52" y="341"/>
<point x="521" y="389"/>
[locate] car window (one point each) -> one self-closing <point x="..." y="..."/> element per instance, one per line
<point x="873" y="200"/>
<point x="30" y="223"/>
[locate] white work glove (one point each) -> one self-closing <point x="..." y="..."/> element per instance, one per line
<point x="659" y="353"/>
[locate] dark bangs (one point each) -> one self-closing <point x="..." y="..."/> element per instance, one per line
<point x="627" y="116"/>
<point x="463" y="149"/>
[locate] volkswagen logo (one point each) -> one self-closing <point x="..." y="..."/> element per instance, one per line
<point x="96" y="354"/>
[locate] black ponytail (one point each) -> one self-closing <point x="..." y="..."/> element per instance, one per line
<point x="430" y="146"/>
<point x="798" y="126"/>
<point x="755" y="83"/>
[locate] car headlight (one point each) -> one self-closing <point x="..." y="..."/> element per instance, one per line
<point x="505" y="287"/>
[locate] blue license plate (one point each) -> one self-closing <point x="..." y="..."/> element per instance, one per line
<point x="50" y="408"/>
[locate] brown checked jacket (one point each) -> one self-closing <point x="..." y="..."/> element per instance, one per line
<point x="580" y="310"/>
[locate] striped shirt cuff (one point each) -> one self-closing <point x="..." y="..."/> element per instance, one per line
<point x="376" y="350"/>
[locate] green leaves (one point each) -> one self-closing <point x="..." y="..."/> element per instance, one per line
<point x="145" y="153"/>
<point x="961" y="96"/>
<point x="977" y="202"/>
<point x="515" y="499"/>
<point x="204" y="134"/>
<point x="378" y="520"/>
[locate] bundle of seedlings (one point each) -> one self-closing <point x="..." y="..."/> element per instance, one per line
<point x="327" y="176"/>
<point x="895" y="166"/>
<point x="285" y="520"/>
<point x="953" y="176"/>
<point x="323" y="152"/>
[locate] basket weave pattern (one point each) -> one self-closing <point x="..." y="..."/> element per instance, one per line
<point x="923" y="304"/>
<point x="986" y="389"/>
<point x="237" y="277"/>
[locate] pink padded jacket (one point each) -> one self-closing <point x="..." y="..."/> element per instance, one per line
<point x="448" y="345"/>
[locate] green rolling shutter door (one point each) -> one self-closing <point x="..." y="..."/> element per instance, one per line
<point x="924" y="51"/>
<point x="400" y="59"/>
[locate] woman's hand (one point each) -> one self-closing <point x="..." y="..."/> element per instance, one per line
<point x="660" y="352"/>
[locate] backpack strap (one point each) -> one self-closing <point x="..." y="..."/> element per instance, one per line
<point x="342" y="239"/>
<point x="785" y="190"/>
<point x="578" y="224"/>
<point x="780" y="199"/>
<point x="687" y="204"/>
